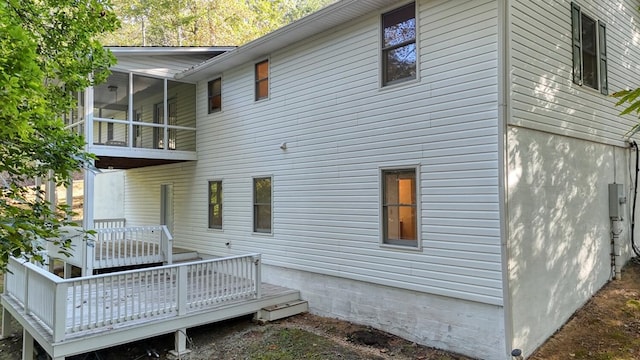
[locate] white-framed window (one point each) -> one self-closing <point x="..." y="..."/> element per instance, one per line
<point x="589" y="50"/>
<point x="262" y="80"/>
<point x="262" y="204"/>
<point x="400" y="210"/>
<point x="215" y="204"/>
<point x="399" y="51"/>
<point x="214" y="94"/>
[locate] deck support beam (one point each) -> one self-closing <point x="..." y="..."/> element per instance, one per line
<point x="7" y="328"/>
<point x="180" y="343"/>
<point x="27" y="345"/>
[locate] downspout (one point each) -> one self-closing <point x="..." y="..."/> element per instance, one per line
<point x="504" y="86"/>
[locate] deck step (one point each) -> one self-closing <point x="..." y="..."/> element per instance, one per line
<point x="275" y="312"/>
<point x="185" y="256"/>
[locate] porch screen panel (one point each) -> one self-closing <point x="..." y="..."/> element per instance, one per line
<point x="148" y="106"/>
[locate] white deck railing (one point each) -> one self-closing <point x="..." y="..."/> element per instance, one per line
<point x="109" y="223"/>
<point x="70" y="306"/>
<point x="116" y="247"/>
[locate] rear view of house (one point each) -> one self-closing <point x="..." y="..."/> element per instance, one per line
<point x="436" y="169"/>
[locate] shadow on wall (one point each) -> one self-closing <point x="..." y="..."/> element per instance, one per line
<point x="558" y="228"/>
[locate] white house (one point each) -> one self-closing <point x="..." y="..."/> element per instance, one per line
<point x="436" y="169"/>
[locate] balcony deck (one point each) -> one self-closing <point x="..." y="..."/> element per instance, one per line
<point x="74" y="316"/>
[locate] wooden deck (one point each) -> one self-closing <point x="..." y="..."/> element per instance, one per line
<point x="75" y="316"/>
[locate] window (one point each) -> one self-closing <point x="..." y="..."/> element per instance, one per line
<point x="399" y="207"/>
<point x="109" y="131"/>
<point x="262" y="80"/>
<point x="262" y="205"/>
<point x="399" y="45"/>
<point x="215" y="95"/>
<point x="215" y="204"/>
<point x="589" y="50"/>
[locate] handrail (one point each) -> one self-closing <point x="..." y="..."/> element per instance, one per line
<point x="104" y="301"/>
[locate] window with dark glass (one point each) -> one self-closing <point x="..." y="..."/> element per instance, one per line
<point x="215" y="95"/>
<point x="589" y="50"/>
<point x="262" y="80"/>
<point x="215" y="204"/>
<point x="262" y="205"/>
<point x="399" y="207"/>
<point x="399" y="45"/>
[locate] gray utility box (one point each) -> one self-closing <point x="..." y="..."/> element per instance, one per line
<point x="616" y="200"/>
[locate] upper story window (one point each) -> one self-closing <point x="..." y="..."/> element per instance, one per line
<point x="262" y="80"/>
<point x="400" y="207"/>
<point x="214" y="93"/>
<point x="589" y="50"/>
<point x="215" y="204"/>
<point x="399" y="44"/>
<point x="262" y="205"/>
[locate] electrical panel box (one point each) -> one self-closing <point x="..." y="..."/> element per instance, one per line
<point x="616" y="201"/>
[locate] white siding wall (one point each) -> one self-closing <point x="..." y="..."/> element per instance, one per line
<point x="565" y="144"/>
<point x="340" y="127"/>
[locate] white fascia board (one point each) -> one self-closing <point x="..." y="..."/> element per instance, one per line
<point x="168" y="50"/>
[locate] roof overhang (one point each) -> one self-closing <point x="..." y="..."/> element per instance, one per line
<point x="169" y="50"/>
<point x="334" y="15"/>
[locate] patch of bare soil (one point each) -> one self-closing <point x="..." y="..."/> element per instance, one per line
<point x="606" y="328"/>
<point x="304" y="336"/>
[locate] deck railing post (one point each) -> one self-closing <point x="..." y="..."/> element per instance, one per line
<point x="167" y="246"/>
<point x="25" y="290"/>
<point x="59" y="311"/>
<point x="90" y="257"/>
<point x="258" y="268"/>
<point x="182" y="290"/>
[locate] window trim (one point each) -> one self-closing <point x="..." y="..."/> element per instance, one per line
<point x="577" y="50"/>
<point x="209" y="204"/>
<point x="258" y="81"/>
<point x="210" y="95"/>
<point x="384" y="83"/>
<point x="418" y="206"/>
<point x="254" y="219"/>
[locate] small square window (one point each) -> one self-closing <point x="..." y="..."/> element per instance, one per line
<point x="399" y="207"/>
<point x="262" y="205"/>
<point x="262" y="80"/>
<point x="399" y="55"/>
<point x="215" y="204"/>
<point x="214" y="91"/>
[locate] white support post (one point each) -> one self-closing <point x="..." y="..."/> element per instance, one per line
<point x="70" y="196"/>
<point x="60" y="312"/>
<point x="258" y="265"/>
<point x="89" y="258"/>
<point x="27" y="345"/>
<point x="88" y="221"/>
<point x="50" y="191"/>
<point x="7" y="328"/>
<point x="182" y="290"/>
<point x="180" y="343"/>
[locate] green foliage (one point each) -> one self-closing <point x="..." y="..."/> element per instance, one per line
<point x="630" y="98"/>
<point x="48" y="52"/>
<point x="203" y="22"/>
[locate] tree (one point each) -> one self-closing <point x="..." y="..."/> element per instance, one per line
<point x="48" y="52"/>
<point x="632" y="100"/>
<point x="203" y="22"/>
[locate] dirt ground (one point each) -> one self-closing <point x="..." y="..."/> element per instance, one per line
<point x="607" y="327"/>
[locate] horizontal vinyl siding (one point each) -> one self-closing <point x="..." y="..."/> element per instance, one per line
<point x="340" y="128"/>
<point x="543" y="94"/>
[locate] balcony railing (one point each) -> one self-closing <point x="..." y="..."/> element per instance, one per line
<point x="69" y="306"/>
